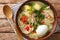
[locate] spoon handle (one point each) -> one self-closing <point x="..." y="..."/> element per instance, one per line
<point x="13" y="25"/>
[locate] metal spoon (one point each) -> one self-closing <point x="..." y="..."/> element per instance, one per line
<point x="8" y="13"/>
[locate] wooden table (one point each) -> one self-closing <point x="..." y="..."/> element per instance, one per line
<point x="7" y="33"/>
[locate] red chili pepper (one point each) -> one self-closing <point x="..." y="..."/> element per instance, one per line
<point x="24" y="19"/>
<point x="42" y="22"/>
<point x="28" y="27"/>
<point x="25" y="22"/>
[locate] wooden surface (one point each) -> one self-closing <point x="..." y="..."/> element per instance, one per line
<point x="7" y="33"/>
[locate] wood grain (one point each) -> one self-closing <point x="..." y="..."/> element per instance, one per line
<point x="16" y="1"/>
<point x="58" y="22"/>
<point x="53" y="1"/>
<point x="9" y="1"/>
<point x="8" y="36"/>
<point x="12" y="36"/>
<point x="5" y="26"/>
<point x="58" y="13"/>
<point x="55" y="36"/>
<point x="7" y="33"/>
<point x="56" y="6"/>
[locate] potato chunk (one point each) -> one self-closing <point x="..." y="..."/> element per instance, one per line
<point x="37" y="6"/>
<point x="27" y="8"/>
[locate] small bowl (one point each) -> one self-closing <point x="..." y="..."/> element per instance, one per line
<point x="54" y="23"/>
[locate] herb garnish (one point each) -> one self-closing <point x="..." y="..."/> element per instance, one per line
<point x="43" y="8"/>
<point x="39" y="15"/>
<point x="31" y="3"/>
<point x="35" y="26"/>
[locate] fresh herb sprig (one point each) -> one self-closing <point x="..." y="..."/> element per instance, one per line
<point x="39" y="16"/>
<point x="35" y="26"/>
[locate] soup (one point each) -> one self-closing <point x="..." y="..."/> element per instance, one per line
<point x="35" y="19"/>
